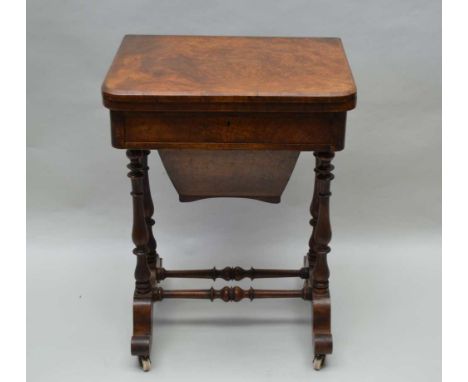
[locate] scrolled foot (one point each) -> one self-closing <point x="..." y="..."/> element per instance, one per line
<point x="142" y="327"/>
<point x="321" y="323"/>
<point x="141" y="345"/>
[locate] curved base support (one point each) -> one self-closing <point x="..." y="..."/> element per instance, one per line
<point x="143" y="322"/>
<point x="322" y="340"/>
<point x="321" y="323"/>
<point x="142" y="325"/>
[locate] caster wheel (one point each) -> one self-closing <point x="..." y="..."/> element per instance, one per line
<point x="145" y="363"/>
<point x="319" y="361"/>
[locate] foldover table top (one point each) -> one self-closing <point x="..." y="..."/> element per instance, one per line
<point x="310" y="73"/>
<point x="229" y="117"/>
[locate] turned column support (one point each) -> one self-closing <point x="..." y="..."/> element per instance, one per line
<point x="142" y="301"/>
<point x="314" y="207"/>
<point x="322" y="228"/>
<point x="149" y="211"/>
<point x="319" y="249"/>
<point x="140" y="234"/>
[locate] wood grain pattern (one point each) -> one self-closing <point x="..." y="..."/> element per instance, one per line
<point x="229" y="116"/>
<point x="277" y="131"/>
<point x="152" y="70"/>
<point x="198" y="174"/>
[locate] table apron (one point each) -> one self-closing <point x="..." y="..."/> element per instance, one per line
<point x="278" y="131"/>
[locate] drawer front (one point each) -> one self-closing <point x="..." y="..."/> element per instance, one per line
<point x="306" y="131"/>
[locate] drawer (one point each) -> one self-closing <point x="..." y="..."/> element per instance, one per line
<point x="283" y="131"/>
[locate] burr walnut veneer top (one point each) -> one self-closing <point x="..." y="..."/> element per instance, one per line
<point x="293" y="74"/>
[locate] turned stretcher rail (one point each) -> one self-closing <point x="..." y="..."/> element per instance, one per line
<point x="232" y="273"/>
<point x="231" y="293"/>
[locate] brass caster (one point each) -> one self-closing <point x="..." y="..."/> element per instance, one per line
<point x="319" y="361"/>
<point x="145" y="363"/>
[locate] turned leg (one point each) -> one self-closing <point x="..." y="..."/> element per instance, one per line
<point x="314" y="206"/>
<point x="321" y="310"/>
<point x="142" y="300"/>
<point x="153" y="257"/>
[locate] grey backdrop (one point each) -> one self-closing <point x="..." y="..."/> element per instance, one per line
<point x="385" y="259"/>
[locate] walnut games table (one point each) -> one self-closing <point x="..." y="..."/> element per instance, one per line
<point x="229" y="117"/>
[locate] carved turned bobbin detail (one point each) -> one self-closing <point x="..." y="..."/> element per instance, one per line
<point x="230" y="273"/>
<point x="232" y="293"/>
<point x="229" y="125"/>
<point x="322" y="227"/>
<point x="314" y="205"/>
<point x="142" y="301"/>
<point x="320" y="273"/>
<point x="140" y="234"/>
<point x="149" y="211"/>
